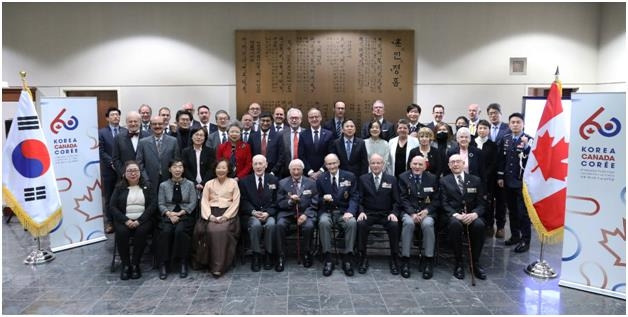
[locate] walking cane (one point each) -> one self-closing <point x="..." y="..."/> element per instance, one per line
<point x="298" y="236"/>
<point x="466" y="228"/>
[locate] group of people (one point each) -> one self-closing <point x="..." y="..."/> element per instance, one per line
<point x="195" y="186"/>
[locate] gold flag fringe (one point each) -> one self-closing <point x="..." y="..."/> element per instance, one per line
<point x="550" y="237"/>
<point x="36" y="229"/>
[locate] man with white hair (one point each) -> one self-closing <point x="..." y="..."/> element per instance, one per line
<point x="290" y="143"/>
<point x="297" y="199"/>
<point x="462" y="198"/>
<point x="338" y="199"/>
<point x="387" y="128"/>
<point x="258" y="207"/>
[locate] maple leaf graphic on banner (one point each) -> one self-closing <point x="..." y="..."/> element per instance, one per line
<point x="551" y="161"/>
<point x="615" y="242"/>
<point x="86" y="205"/>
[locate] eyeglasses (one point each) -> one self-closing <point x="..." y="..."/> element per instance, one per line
<point x="132" y="171"/>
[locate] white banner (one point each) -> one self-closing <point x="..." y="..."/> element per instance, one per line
<point x="594" y="247"/>
<point x="71" y="129"/>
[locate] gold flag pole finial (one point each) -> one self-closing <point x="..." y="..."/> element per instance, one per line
<point x="24" y="84"/>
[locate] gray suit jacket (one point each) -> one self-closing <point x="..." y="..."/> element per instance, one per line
<point x="307" y="192"/>
<point x="155" y="167"/>
<point x="214" y="139"/>
<point x="188" y="193"/>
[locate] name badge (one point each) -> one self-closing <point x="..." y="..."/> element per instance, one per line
<point x="272" y="186"/>
<point x="386" y="185"/>
<point x="307" y="192"/>
<point x="472" y="190"/>
<point x="345" y="184"/>
<point x="428" y="189"/>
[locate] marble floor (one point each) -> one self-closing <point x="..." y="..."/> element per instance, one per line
<point x="78" y="281"/>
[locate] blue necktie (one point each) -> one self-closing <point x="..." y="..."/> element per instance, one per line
<point x="348" y="148"/>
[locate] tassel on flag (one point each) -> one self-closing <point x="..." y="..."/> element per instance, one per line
<point x="29" y="185"/>
<point x="545" y="175"/>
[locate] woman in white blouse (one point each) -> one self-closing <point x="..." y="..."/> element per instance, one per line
<point x="132" y="209"/>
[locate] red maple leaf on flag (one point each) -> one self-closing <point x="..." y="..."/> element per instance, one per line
<point x="550" y="158"/>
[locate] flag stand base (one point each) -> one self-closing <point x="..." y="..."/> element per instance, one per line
<point x="540" y="268"/>
<point x="39" y="255"/>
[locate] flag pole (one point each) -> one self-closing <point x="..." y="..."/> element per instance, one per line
<point x="540" y="268"/>
<point x="39" y="255"/>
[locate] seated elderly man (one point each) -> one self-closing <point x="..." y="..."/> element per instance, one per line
<point x="418" y="191"/>
<point x="297" y="199"/>
<point x="462" y="197"/>
<point x="338" y="199"/>
<point x="258" y="207"/>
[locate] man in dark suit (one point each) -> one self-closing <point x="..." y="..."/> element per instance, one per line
<point x="351" y="150"/>
<point x="379" y="204"/>
<point x="335" y="124"/>
<point x="108" y="173"/>
<point x="413" y="112"/>
<point x="387" y="128"/>
<point x="189" y="107"/>
<point x="219" y="136"/>
<point x="462" y="198"/>
<point x="474" y="118"/>
<point x="512" y="156"/>
<point x="338" y="199"/>
<point x="258" y="208"/>
<point x="438" y="112"/>
<point x="297" y="200"/>
<point x="164" y="113"/>
<point x="497" y="131"/>
<point x="155" y="152"/>
<point x="279" y="118"/>
<point x="315" y="143"/>
<point x="125" y="143"/>
<point x="260" y="140"/>
<point x="146" y="113"/>
<point x="289" y="141"/>
<point x="204" y="114"/>
<point x="418" y="192"/>
<point x="488" y="149"/>
<point x="255" y="110"/>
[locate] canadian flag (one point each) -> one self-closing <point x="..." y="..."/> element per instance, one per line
<point x="545" y="175"/>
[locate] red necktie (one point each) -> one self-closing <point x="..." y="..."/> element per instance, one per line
<point x="264" y="143"/>
<point x="295" y="146"/>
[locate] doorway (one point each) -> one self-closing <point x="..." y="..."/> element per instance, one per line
<point x="105" y="99"/>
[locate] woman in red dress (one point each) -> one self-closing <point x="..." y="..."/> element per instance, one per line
<point x="236" y="151"/>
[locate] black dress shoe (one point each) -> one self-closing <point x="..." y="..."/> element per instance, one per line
<point x="307" y="260"/>
<point x="163" y="272"/>
<point x="459" y="271"/>
<point x="479" y="272"/>
<point x="184" y="270"/>
<point x="364" y="265"/>
<point x="135" y="272"/>
<point x="255" y="265"/>
<point x="125" y="273"/>
<point x="280" y="263"/>
<point x="512" y="241"/>
<point x="523" y="246"/>
<point x="394" y="266"/>
<point x="428" y="271"/>
<point x="328" y="268"/>
<point x="268" y="261"/>
<point x="405" y="269"/>
<point x="347" y="267"/>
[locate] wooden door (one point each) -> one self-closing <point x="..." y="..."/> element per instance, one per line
<point x="104" y="98"/>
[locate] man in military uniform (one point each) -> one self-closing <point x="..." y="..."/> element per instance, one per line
<point x="512" y="153"/>
<point x="418" y="191"/>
